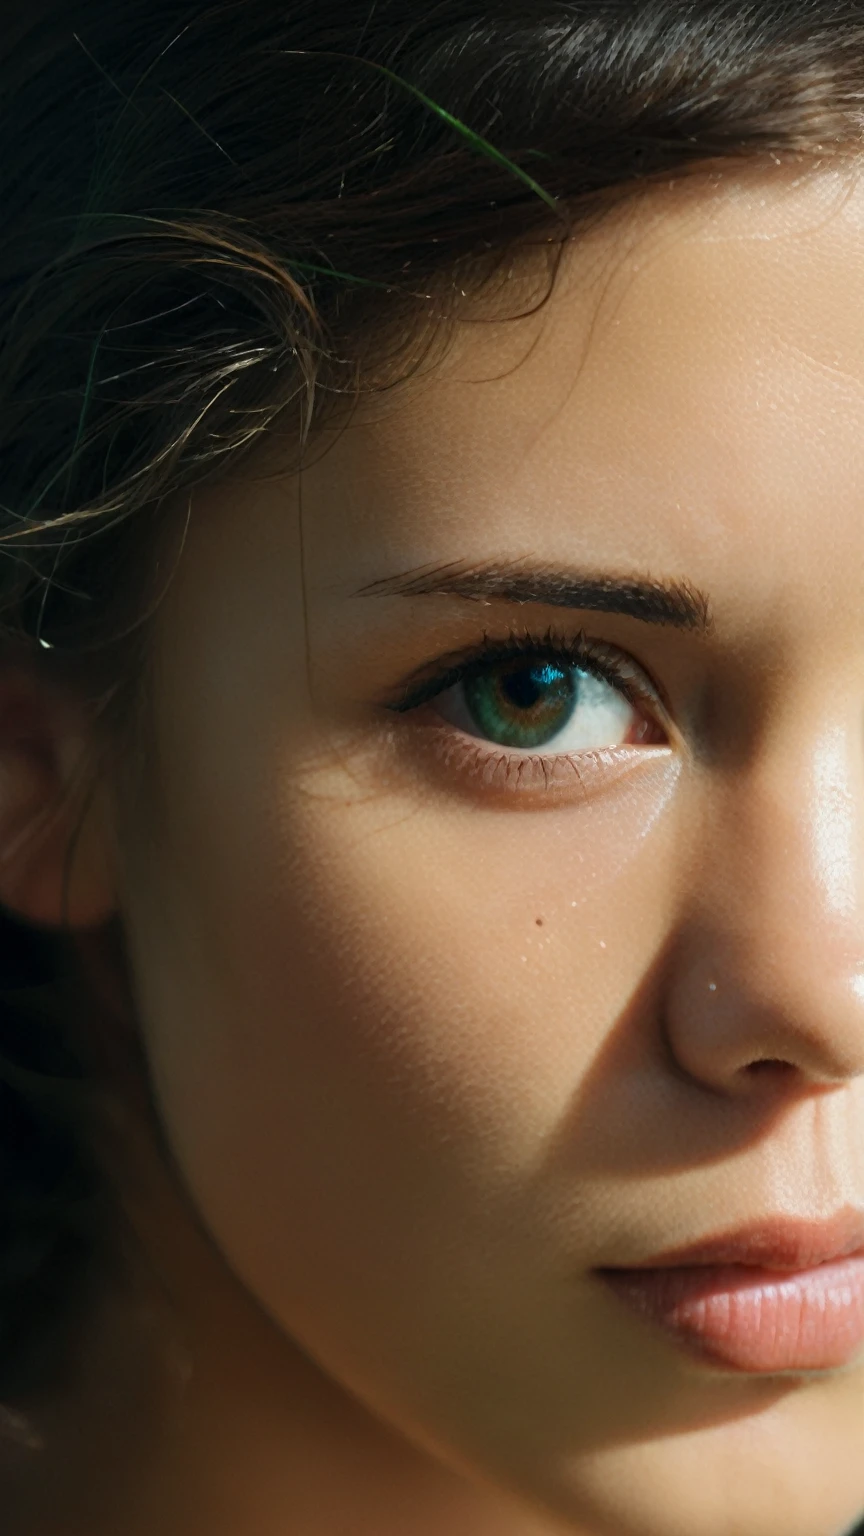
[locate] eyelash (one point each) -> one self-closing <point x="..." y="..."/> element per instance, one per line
<point x="602" y="660"/>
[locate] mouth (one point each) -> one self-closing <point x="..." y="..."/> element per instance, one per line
<point x="777" y="1296"/>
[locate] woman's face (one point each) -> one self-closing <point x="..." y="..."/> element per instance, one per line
<point x="452" y="998"/>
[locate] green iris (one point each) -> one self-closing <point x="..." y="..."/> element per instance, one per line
<point x="522" y="703"/>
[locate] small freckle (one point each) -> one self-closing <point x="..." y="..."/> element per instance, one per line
<point x="539" y="922"/>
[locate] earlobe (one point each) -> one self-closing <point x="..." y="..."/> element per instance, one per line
<point x="55" y="843"/>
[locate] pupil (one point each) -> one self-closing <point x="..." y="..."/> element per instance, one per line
<point x="524" y="686"/>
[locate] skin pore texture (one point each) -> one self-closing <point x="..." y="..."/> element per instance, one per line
<point x="436" y="1028"/>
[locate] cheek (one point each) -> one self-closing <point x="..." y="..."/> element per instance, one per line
<point x="358" y="1028"/>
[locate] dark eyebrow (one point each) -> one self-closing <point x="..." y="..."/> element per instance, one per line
<point x="648" y="598"/>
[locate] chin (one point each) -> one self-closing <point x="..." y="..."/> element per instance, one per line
<point x="760" y="1475"/>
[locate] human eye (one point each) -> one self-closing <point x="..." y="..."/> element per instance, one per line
<point x="529" y="706"/>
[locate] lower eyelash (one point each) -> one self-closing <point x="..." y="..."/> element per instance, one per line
<point x="493" y="768"/>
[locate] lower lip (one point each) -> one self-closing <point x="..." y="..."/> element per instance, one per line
<point x="756" y="1320"/>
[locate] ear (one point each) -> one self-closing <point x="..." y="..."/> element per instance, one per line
<point x="56" y="847"/>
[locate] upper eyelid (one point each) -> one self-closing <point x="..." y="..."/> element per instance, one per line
<point x="446" y="671"/>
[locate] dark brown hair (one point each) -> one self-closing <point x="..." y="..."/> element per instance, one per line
<point x="217" y="218"/>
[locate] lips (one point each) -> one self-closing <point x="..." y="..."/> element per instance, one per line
<point x="773" y="1243"/>
<point x="776" y="1296"/>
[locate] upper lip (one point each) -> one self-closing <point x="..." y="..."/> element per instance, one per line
<point x="774" y="1242"/>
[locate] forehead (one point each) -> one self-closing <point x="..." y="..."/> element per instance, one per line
<point x="694" y="387"/>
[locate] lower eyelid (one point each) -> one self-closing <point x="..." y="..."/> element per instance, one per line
<point x="551" y="778"/>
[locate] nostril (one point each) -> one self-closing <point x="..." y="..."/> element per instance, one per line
<point x="769" y="1064"/>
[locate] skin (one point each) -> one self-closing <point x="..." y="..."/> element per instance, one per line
<point x="428" y="1046"/>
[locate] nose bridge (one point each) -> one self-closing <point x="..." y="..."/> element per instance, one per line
<point x="832" y="825"/>
<point x="798" y="823"/>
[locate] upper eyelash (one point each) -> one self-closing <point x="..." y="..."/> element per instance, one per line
<point x="606" y="661"/>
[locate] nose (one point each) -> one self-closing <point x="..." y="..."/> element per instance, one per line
<point x="765" y="987"/>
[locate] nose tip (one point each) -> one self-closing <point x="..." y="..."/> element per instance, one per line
<point x="745" y="1026"/>
<point x="766" y="985"/>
